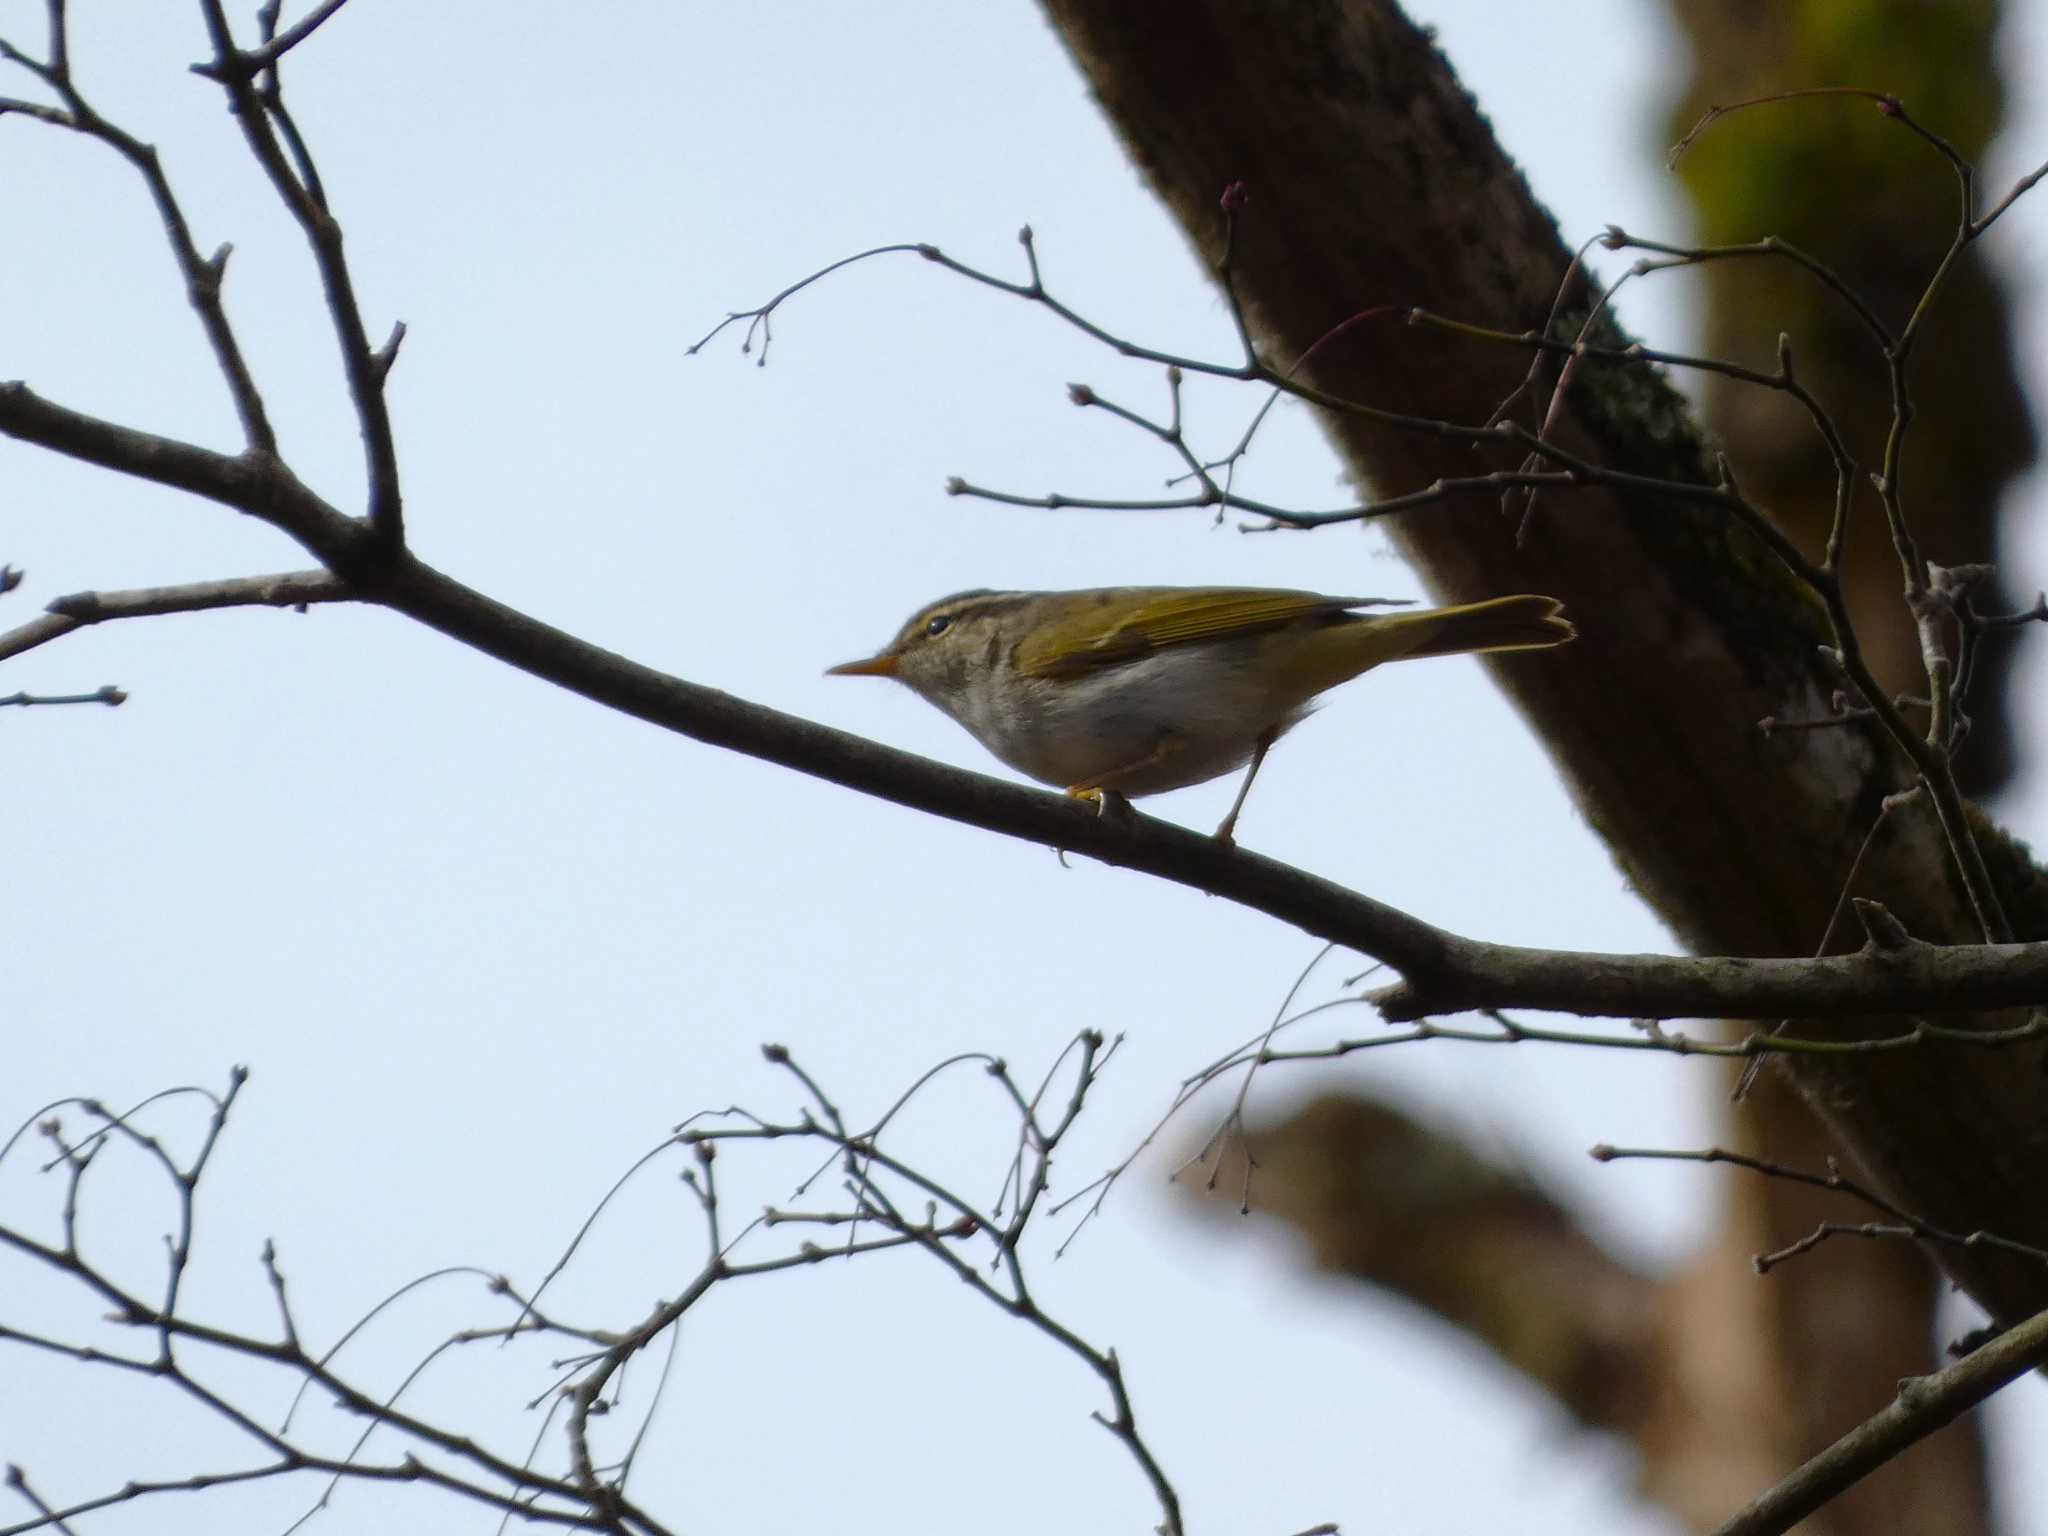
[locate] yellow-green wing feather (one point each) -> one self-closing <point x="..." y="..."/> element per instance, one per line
<point x="1133" y="622"/>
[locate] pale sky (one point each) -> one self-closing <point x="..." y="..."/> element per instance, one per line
<point x="483" y="944"/>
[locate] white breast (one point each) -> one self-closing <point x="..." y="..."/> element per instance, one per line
<point x="1186" y="713"/>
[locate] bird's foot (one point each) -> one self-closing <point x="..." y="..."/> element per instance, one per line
<point x="1109" y="805"/>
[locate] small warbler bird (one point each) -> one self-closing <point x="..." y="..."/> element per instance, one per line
<point x="1138" y="690"/>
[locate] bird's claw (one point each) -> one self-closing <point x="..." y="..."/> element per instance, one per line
<point x="1109" y="805"/>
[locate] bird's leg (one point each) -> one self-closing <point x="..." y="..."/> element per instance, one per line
<point x="1103" y="787"/>
<point x="1259" y="750"/>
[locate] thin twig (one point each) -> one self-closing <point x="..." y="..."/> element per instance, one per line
<point x="290" y="589"/>
<point x="259" y="112"/>
<point x="1833" y="1180"/>
<point x="202" y="274"/>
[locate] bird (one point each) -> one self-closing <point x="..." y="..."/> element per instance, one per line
<point x="1109" y="692"/>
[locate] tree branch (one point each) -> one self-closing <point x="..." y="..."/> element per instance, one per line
<point x="254" y="482"/>
<point x="202" y="274"/>
<point x="289" y="589"/>
<point x="1736" y="845"/>
<point x="260" y="112"/>
<point x="1442" y="971"/>
<point x="1924" y="1404"/>
<point x="278" y="45"/>
<point x="1917" y="977"/>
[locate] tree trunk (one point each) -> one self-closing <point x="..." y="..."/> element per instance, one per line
<point x="1373" y="180"/>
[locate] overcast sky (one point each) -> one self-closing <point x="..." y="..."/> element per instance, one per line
<point x="483" y="944"/>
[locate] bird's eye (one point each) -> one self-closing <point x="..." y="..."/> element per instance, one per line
<point x="939" y="624"/>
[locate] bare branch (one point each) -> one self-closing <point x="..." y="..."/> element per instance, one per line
<point x="1833" y="1180"/>
<point x="1932" y="762"/>
<point x="1918" y="977"/>
<point x="276" y="47"/>
<point x="880" y="1188"/>
<point x="105" y="694"/>
<point x="259" y="110"/>
<point x="202" y="274"/>
<point x="289" y="589"/>
<point x="1932" y="756"/>
<point x="1923" y="1405"/>
<point x="255" y="483"/>
<point x="17" y="1479"/>
<point x="1648" y="1035"/>
<point x="1444" y="972"/>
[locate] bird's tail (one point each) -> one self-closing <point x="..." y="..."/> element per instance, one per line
<point x="1523" y="623"/>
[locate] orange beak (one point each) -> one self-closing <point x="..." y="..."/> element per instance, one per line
<point x="883" y="665"/>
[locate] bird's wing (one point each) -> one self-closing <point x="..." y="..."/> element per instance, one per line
<point x="1135" y="622"/>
